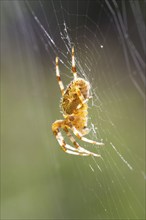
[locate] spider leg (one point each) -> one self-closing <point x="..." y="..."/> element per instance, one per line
<point x="77" y="134"/>
<point x="73" y="64"/>
<point x="77" y="146"/>
<point x="65" y="147"/>
<point x="59" y="78"/>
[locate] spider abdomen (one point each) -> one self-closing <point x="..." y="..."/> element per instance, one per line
<point x="76" y="92"/>
<point x="84" y="87"/>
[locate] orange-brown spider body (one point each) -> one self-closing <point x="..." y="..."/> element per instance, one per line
<point x="74" y="104"/>
<point x="75" y="111"/>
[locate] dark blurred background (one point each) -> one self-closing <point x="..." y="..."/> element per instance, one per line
<point x="38" y="180"/>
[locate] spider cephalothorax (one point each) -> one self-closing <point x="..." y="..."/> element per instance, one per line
<point x="75" y="110"/>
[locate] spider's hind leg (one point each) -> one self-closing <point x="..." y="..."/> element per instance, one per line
<point x="73" y="64"/>
<point x="59" y="78"/>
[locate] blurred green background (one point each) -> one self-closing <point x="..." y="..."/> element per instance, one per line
<point x="38" y="180"/>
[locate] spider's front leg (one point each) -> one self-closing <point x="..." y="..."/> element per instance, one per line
<point x="56" y="126"/>
<point x="77" y="146"/>
<point x="77" y="134"/>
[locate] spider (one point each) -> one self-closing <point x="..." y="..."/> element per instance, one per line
<point x="74" y="105"/>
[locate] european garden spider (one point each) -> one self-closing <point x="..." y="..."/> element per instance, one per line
<point x="74" y="105"/>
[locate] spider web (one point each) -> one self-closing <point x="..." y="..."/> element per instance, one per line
<point x="109" y="41"/>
